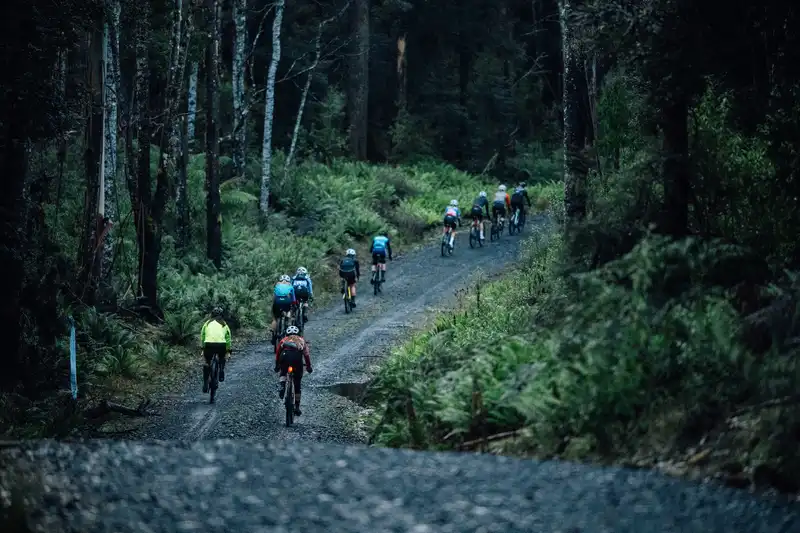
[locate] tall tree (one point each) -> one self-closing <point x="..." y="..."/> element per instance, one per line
<point x="358" y="101"/>
<point x="574" y="121"/>
<point x="266" y="147"/>
<point x="110" y="126"/>
<point x="238" y="77"/>
<point x="213" y="215"/>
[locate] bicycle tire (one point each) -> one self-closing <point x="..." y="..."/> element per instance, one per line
<point x="288" y="399"/>
<point x="346" y="297"/>
<point x="213" y="379"/>
<point x="473" y="238"/>
<point x="376" y="283"/>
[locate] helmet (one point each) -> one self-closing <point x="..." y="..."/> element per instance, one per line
<point x="482" y="194"/>
<point x="216" y="311"/>
<point x="454" y="203"/>
<point x="285" y="278"/>
<point x="301" y="271"/>
<point x="292" y="330"/>
<point x="502" y="188"/>
<point x="523" y="184"/>
<point x="350" y="251"/>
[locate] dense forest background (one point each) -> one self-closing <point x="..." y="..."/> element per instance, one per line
<point x="157" y="154"/>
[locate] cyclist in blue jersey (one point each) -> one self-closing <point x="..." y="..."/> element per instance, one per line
<point x="381" y="245"/>
<point x="452" y="216"/>
<point x="282" y="300"/>
<point x="303" y="289"/>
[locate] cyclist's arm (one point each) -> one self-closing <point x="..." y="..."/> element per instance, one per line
<point x="389" y="248"/>
<point x="358" y="270"/>
<point x="508" y="202"/>
<point x="278" y="347"/>
<point x="203" y="333"/>
<point x="307" y="354"/>
<point x="227" y="338"/>
<point x="310" y="288"/>
<point x="486" y="207"/>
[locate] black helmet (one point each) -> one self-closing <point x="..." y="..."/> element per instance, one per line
<point x="216" y="312"/>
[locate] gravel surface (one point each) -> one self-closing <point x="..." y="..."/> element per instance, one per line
<point x="343" y="348"/>
<point x="246" y="486"/>
<point x="258" y="483"/>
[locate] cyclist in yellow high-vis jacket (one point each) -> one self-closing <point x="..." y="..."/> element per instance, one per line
<point x="215" y="337"/>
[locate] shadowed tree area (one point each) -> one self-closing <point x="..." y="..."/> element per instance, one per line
<point x="163" y="157"/>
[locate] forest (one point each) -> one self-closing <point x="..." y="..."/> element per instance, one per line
<point x="161" y="156"/>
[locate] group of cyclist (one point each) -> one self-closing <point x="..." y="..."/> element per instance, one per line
<point x="502" y="204"/>
<point x="290" y="291"/>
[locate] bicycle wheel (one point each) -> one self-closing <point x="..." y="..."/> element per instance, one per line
<point x="346" y="297"/>
<point x="473" y="237"/>
<point x="444" y="244"/>
<point x="213" y="379"/>
<point x="288" y="399"/>
<point x="376" y="282"/>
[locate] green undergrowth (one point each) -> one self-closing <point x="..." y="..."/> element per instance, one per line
<point x="640" y="361"/>
<point x="317" y="212"/>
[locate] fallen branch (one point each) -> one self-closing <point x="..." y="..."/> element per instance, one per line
<point x="105" y="407"/>
<point x="491" y="438"/>
<point x="775" y="402"/>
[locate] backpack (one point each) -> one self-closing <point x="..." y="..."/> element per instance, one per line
<point x="348" y="264"/>
<point x="300" y="287"/>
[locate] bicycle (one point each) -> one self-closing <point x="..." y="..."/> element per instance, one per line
<point x="514" y="223"/>
<point x="213" y="379"/>
<point x="288" y="399"/>
<point x="376" y="281"/>
<point x="475" y="234"/>
<point x="447" y="248"/>
<point x="300" y="316"/>
<point x="284" y="322"/>
<point x="347" y="296"/>
<point x="497" y="228"/>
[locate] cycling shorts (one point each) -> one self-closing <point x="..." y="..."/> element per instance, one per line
<point x="379" y="257"/>
<point x="350" y="277"/>
<point x="210" y="349"/>
<point x="450" y="222"/>
<point x="499" y="208"/>
<point x="278" y="306"/>
<point x="293" y="358"/>
<point x="477" y="212"/>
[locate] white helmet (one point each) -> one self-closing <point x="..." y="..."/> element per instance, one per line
<point x="350" y="251"/>
<point x="482" y="194"/>
<point x="301" y="271"/>
<point x="454" y="203"/>
<point x="285" y="278"/>
<point x="292" y="330"/>
<point x="502" y="188"/>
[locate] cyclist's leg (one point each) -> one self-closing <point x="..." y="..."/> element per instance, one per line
<point x="351" y="282"/>
<point x="298" y="379"/>
<point x="284" y="367"/>
<point x="382" y="266"/>
<point x="208" y="353"/>
<point x="374" y="266"/>
<point x="221" y="350"/>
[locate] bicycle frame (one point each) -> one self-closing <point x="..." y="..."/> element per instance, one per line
<point x="289" y="396"/>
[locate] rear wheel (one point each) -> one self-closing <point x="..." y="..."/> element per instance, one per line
<point x="289" y="399"/>
<point x="346" y="296"/>
<point x="213" y="380"/>
<point x="474" y="237"/>
<point x="444" y="244"/>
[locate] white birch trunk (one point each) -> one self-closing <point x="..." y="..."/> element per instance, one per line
<point x="306" y="88"/>
<point x="110" y="104"/>
<point x="238" y="73"/>
<point x="266" y="148"/>
<point x="192" y="101"/>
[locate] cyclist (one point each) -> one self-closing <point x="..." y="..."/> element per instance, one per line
<point x="303" y="289"/>
<point x="293" y="350"/>
<point x="452" y="216"/>
<point x="380" y="246"/>
<point x="501" y="204"/>
<point x="282" y="300"/>
<point x="350" y="271"/>
<point x="215" y="337"/>
<point x="518" y="200"/>
<point x="480" y="205"/>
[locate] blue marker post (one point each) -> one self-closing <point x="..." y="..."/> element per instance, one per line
<point x="73" y="365"/>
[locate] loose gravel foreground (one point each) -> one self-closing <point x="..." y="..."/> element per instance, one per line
<point x="276" y="479"/>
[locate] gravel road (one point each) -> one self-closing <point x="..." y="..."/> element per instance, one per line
<point x="253" y="487"/>
<point x="344" y="347"/>
<point x="228" y="466"/>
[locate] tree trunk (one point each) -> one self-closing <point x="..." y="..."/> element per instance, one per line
<point x="574" y="169"/>
<point x="184" y="236"/>
<point x="238" y="74"/>
<point x="191" y="116"/>
<point x="359" y="82"/>
<point x="213" y="215"/>
<point x="110" y="98"/>
<point x="61" y="86"/>
<point x="266" y="148"/>
<point x="298" y="120"/>
<point x="402" y="79"/>
<point x="93" y="159"/>
<point x="675" y="166"/>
